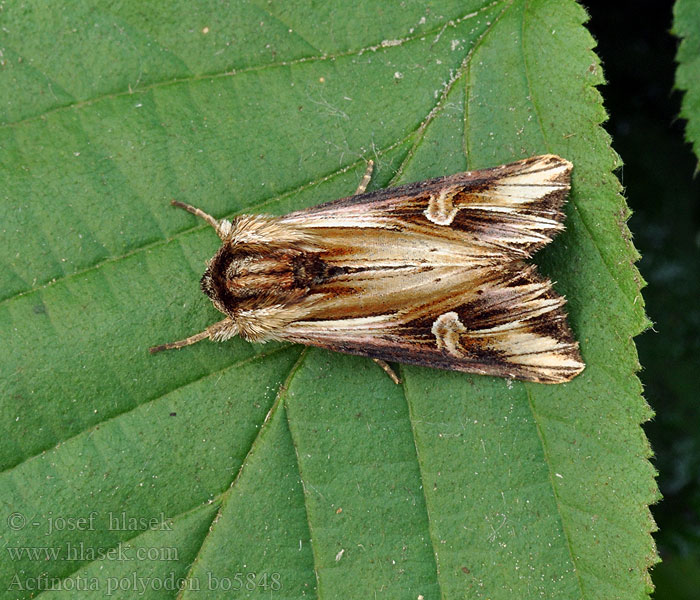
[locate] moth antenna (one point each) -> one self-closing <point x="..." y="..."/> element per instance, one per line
<point x="221" y="227"/>
<point x="193" y="339"/>
<point x="218" y="332"/>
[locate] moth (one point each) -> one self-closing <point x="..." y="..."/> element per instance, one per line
<point x="430" y="273"/>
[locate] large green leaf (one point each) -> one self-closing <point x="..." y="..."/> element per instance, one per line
<point x="277" y="466"/>
<point x="686" y="25"/>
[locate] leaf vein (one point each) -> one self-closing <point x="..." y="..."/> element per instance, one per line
<point x="250" y="69"/>
<point x="94" y="427"/>
<point x="281" y="391"/>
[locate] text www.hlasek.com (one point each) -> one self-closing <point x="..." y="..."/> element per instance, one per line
<point x="82" y="552"/>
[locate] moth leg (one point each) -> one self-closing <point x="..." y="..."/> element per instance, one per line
<point x="218" y="332"/>
<point x="366" y="178"/>
<point x="222" y="227"/>
<point x="388" y="370"/>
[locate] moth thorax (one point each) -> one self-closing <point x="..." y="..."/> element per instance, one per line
<point x="265" y="274"/>
<point x="241" y="277"/>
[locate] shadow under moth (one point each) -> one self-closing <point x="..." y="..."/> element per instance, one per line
<point x="430" y="273"/>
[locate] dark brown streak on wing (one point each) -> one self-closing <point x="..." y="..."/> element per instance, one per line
<point x="512" y="325"/>
<point x="474" y="182"/>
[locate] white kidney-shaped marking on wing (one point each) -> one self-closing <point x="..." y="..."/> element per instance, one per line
<point x="447" y="328"/>
<point x="441" y="210"/>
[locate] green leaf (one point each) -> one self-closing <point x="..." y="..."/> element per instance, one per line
<point x="281" y="471"/>
<point x="686" y="25"/>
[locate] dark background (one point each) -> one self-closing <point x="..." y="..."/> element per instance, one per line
<point x="638" y="50"/>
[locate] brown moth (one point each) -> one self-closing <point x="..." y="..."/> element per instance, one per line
<point x="430" y="273"/>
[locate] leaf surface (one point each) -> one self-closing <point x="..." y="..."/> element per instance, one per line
<point x="280" y="470"/>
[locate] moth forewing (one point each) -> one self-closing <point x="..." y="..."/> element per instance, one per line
<point x="428" y="273"/>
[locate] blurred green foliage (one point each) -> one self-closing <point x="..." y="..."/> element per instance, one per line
<point x="638" y="52"/>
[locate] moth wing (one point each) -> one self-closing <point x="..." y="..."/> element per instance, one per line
<point x="509" y="211"/>
<point x="430" y="273"/>
<point x="510" y="324"/>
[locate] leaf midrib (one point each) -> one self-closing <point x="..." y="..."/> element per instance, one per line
<point x="278" y="402"/>
<point x="251" y="359"/>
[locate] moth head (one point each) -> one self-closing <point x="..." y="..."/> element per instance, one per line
<point x="257" y="278"/>
<point x="209" y="287"/>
